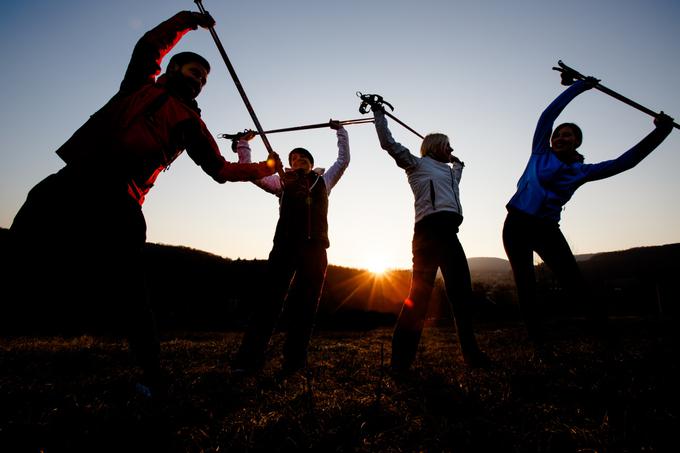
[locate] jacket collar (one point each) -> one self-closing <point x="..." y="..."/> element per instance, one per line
<point x="169" y="84"/>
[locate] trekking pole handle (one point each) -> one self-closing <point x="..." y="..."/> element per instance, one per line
<point x="373" y="100"/>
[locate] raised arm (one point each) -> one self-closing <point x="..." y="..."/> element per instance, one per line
<point x="145" y="63"/>
<point x="541" y="142"/>
<point x="333" y="174"/>
<point x="398" y="152"/>
<point x="271" y="183"/>
<point x="632" y="157"/>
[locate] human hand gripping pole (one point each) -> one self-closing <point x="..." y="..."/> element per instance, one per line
<point x="376" y="102"/>
<point x="570" y="75"/>
<point x="273" y="157"/>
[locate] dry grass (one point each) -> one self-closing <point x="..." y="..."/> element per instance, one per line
<point x="76" y="395"/>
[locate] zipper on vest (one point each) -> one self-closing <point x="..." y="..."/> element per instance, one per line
<point x="308" y="202"/>
<point x="432" y="194"/>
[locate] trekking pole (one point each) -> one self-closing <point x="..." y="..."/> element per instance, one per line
<point x="239" y="87"/>
<point x="402" y="123"/>
<point x="238" y="135"/>
<point x="569" y="75"/>
<point x="369" y="100"/>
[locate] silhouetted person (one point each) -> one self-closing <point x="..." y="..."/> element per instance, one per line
<point x="297" y="263"/>
<point x="554" y="172"/>
<point x="434" y="178"/>
<point x="82" y="229"/>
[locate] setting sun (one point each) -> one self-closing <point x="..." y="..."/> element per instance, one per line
<point x="377" y="266"/>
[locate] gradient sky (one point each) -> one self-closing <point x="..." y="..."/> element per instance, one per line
<point x="478" y="71"/>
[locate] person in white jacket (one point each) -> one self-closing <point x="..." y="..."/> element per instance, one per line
<point x="298" y="254"/>
<point x="434" y="178"/>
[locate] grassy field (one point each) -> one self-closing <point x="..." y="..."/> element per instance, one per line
<point x="76" y="394"/>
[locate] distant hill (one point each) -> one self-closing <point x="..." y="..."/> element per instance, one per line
<point x="584" y="256"/>
<point x="641" y="280"/>
<point x="493" y="265"/>
<point x="653" y="260"/>
<point x="194" y="289"/>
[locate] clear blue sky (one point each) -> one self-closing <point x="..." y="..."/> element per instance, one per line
<point x="479" y="71"/>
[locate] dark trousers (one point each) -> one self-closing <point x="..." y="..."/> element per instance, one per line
<point x="522" y="236"/>
<point x="435" y="246"/>
<point x="304" y="265"/>
<point x="77" y="248"/>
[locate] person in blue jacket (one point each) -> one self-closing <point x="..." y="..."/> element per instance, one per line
<point x="554" y="172"/>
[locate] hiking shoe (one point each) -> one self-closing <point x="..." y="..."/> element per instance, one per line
<point x="143" y="390"/>
<point x="156" y="391"/>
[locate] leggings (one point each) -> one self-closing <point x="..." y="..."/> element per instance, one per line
<point x="295" y="277"/>
<point x="435" y="245"/>
<point x="523" y="235"/>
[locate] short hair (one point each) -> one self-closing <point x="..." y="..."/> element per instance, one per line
<point x="303" y="152"/>
<point x="574" y="128"/>
<point x="182" y="58"/>
<point x="433" y="142"/>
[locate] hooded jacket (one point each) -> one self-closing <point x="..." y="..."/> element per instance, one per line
<point x="548" y="183"/>
<point x="148" y="123"/>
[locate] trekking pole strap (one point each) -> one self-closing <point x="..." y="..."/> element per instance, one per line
<point x="371" y="101"/>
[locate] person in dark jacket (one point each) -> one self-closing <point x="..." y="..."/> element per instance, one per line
<point x="81" y="231"/>
<point x="434" y="178"/>
<point x="298" y="255"/>
<point x="554" y="172"/>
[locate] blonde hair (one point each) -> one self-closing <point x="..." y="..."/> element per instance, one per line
<point x="433" y="143"/>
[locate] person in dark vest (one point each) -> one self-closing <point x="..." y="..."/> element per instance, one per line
<point x="556" y="169"/>
<point x="434" y="178"/>
<point x="298" y="255"/>
<point x="81" y="231"/>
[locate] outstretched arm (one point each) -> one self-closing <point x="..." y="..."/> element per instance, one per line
<point x="193" y="135"/>
<point x="632" y="157"/>
<point x="145" y="63"/>
<point x="271" y="183"/>
<point x="399" y="153"/>
<point x="332" y="176"/>
<point x="547" y="119"/>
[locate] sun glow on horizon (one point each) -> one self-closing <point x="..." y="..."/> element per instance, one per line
<point x="377" y="266"/>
